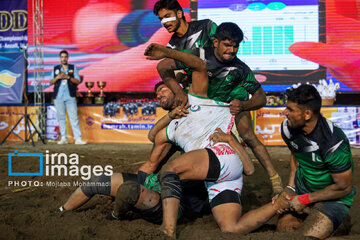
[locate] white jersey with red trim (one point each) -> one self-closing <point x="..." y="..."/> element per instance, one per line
<point x="205" y="115"/>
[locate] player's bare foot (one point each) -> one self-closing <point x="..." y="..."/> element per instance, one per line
<point x="169" y="232"/>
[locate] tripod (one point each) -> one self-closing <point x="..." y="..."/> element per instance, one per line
<point x="28" y="122"/>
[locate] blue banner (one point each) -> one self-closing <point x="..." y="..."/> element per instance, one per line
<point x="14" y="25"/>
<point x="12" y="69"/>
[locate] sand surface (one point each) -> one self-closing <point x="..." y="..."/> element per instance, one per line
<point x="28" y="212"/>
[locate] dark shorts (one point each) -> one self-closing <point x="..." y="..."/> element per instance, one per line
<point x="336" y="211"/>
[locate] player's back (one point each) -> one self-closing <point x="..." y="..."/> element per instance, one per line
<point x="205" y="115"/>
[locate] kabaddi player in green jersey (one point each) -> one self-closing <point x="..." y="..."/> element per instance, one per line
<point x="230" y="80"/>
<point x="321" y="167"/>
<point x="186" y="35"/>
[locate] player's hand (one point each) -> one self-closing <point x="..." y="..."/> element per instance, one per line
<point x="155" y="51"/>
<point x="181" y="100"/>
<point x="220" y="136"/>
<point x="178" y="112"/>
<point x="236" y="107"/>
<point x="296" y="206"/>
<point x="285" y="195"/>
<point x="181" y="77"/>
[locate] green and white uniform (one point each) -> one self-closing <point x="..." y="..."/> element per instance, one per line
<point x="324" y="151"/>
<point x="227" y="81"/>
<point x="199" y="34"/>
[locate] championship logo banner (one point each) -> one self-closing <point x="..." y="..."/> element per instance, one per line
<point x="13" y="27"/>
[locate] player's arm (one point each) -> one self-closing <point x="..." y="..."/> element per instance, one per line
<point x="257" y="100"/>
<point x="220" y="136"/>
<point x="293" y="167"/>
<point x="176" y="113"/>
<point x="339" y="163"/>
<point x="341" y="187"/>
<point x="166" y="69"/>
<point x="160" y="149"/>
<point x="199" y="76"/>
<point x="289" y="190"/>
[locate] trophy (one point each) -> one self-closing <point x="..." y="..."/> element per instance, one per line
<point x="100" y="99"/>
<point x="88" y="99"/>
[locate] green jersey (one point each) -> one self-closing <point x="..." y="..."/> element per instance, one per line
<point x="199" y="34"/>
<point x="227" y="81"/>
<point x="324" y="151"/>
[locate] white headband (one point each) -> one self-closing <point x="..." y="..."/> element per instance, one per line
<point x="165" y="20"/>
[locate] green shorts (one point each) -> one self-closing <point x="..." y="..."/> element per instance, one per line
<point x="151" y="182"/>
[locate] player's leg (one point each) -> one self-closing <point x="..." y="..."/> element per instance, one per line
<point x="246" y="132"/>
<point x="191" y="165"/>
<point x="220" y="164"/>
<point x="290" y="222"/>
<point x="228" y="216"/>
<point x="109" y="186"/>
<point x="225" y="203"/>
<point x="324" y="218"/>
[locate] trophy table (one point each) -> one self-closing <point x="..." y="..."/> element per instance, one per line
<point x="100" y="99"/>
<point x="88" y="99"/>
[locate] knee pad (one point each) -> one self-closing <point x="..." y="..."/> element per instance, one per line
<point x="154" y="214"/>
<point x="126" y="197"/>
<point x="129" y="177"/>
<point x="170" y="185"/>
<point x="97" y="185"/>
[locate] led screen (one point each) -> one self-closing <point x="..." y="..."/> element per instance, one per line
<point x="270" y="28"/>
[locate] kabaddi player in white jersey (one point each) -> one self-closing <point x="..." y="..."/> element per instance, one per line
<point x="207" y="155"/>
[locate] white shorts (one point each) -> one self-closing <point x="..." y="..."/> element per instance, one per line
<point x="231" y="170"/>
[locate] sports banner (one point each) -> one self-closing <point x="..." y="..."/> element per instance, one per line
<point x="13" y="27"/>
<point x="110" y="123"/>
<point x="267" y="122"/>
<point x="12" y="69"/>
<point x="348" y="119"/>
<point x="269" y="119"/>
